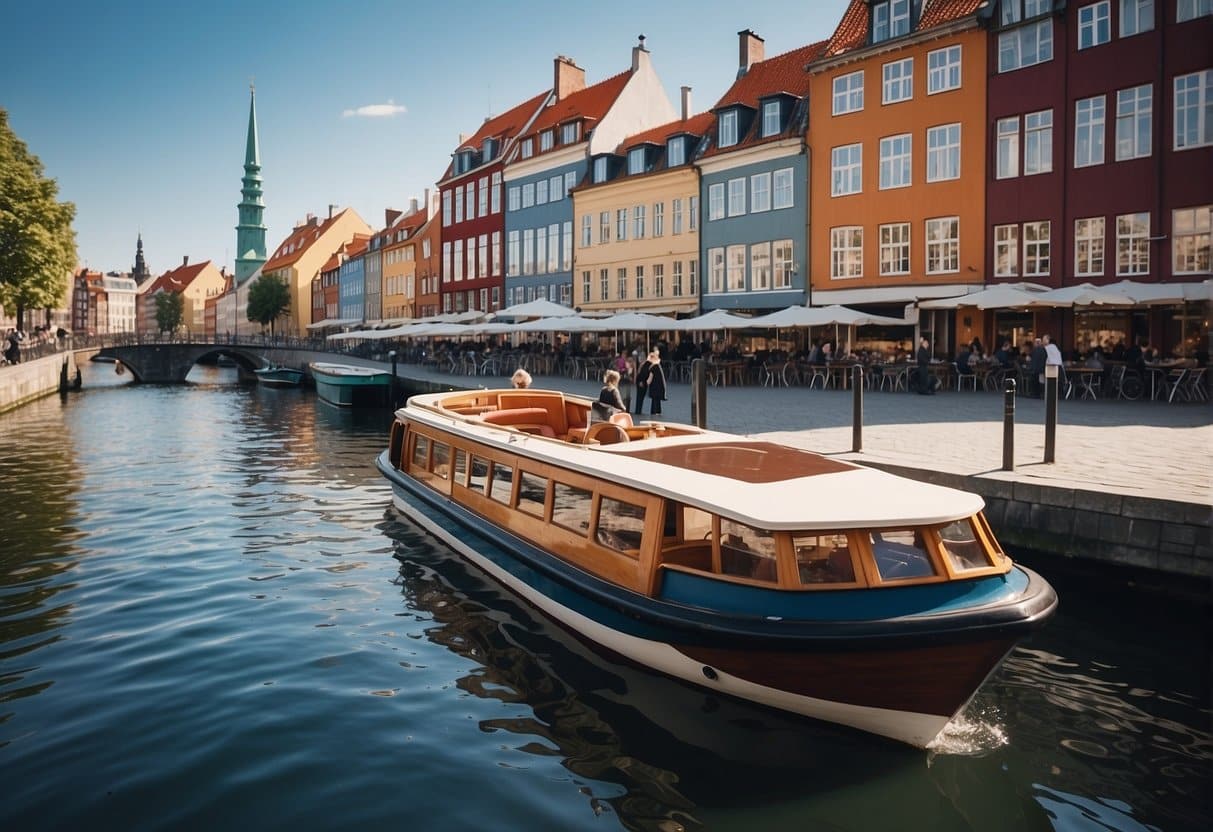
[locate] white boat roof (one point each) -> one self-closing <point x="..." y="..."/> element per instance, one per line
<point x="347" y="369"/>
<point x="761" y="483"/>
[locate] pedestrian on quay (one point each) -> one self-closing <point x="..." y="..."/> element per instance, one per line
<point x="12" y="352"/>
<point x="521" y="379"/>
<point x="642" y="385"/>
<point x="926" y="379"/>
<point x="626" y="368"/>
<point x="655" y="383"/>
<point x="1036" y="367"/>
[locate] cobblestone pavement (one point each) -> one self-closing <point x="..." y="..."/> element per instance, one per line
<point x="1147" y="449"/>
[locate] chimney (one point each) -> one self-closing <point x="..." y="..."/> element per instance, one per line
<point x="311" y="220"/>
<point x="569" y="78"/>
<point x="390" y="215"/>
<point x="413" y="206"/>
<point x="750" y="50"/>
<point x="686" y="103"/>
<point x="185" y="260"/>
<point x="332" y="208"/>
<point x="640" y="55"/>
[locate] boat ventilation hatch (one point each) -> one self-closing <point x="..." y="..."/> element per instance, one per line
<point x="710" y="672"/>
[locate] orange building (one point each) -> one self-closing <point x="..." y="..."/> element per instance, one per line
<point x="897" y="141"/>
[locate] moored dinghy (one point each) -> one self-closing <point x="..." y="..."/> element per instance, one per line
<point x="348" y="385"/>
<point x="752" y="569"/>
<point x="278" y="376"/>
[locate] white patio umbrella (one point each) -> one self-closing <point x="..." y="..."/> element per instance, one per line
<point x="1199" y="291"/>
<point x="995" y="297"/>
<point x="539" y="308"/>
<point x="797" y="316"/>
<point x="560" y="323"/>
<point x="1149" y="294"/>
<point x="716" y="319"/>
<point x="1084" y="294"/>
<point x="633" y="322"/>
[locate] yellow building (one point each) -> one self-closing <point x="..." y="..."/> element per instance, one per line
<point x="400" y="265"/>
<point x="637" y="223"/>
<point x="196" y="284"/>
<point x="299" y="258"/>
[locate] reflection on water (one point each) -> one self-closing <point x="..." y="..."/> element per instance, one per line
<point x="201" y="624"/>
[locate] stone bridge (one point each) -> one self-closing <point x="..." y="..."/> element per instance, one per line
<point x="169" y="363"/>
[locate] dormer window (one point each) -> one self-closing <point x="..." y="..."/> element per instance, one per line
<point x="890" y="19"/>
<point x="728" y="128"/>
<point x="600" y="169"/>
<point x="528" y="148"/>
<point x="676" y="153"/>
<point x="635" y="161"/>
<point x="570" y="133"/>
<point x="488" y="150"/>
<point x="771" y="122"/>
<point x="547" y="139"/>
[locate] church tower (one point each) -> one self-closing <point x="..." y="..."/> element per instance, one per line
<point x="250" y="233"/>
<point x="139" y="272"/>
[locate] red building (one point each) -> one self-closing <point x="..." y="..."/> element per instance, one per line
<point x="473" y="215"/>
<point x="1101" y="155"/>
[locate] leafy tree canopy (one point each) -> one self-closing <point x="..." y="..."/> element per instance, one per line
<point x="269" y="298"/>
<point x="37" y="242"/>
<point x="170" y="311"/>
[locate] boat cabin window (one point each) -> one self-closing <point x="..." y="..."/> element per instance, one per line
<point x="900" y="554"/>
<point x="461" y="466"/>
<point x="480" y="474"/>
<point x="442" y="460"/>
<point x="696" y="524"/>
<point x="421" y="453"/>
<point x="824" y="559"/>
<point x="501" y="488"/>
<point x="746" y="552"/>
<point x="620" y="526"/>
<point x="962" y="547"/>
<point x="532" y="493"/>
<point x="571" y="507"/>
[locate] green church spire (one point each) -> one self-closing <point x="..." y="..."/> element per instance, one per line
<point x="250" y="233"/>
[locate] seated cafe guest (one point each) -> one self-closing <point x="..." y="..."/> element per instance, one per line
<point x="1004" y="356"/>
<point x="964" y="360"/>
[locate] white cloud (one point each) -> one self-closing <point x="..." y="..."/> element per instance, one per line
<point x="376" y="110"/>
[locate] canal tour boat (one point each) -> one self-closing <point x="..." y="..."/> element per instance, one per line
<point x="348" y="385"/>
<point x="749" y="568"/>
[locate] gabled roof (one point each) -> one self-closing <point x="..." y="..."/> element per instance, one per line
<point x="696" y="125"/>
<point x="176" y="280"/>
<point x="503" y="128"/>
<point x="298" y="241"/>
<point x="589" y="104"/>
<point x="852" y="31"/>
<point x="409" y="224"/>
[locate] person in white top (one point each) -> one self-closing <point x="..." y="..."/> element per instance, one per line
<point x="1052" y="353"/>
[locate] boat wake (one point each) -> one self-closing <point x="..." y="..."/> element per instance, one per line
<point x="974" y="733"/>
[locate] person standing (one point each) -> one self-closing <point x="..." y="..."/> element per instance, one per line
<point x="13" y="351"/>
<point x="627" y="370"/>
<point x="521" y="379"/>
<point x="609" y="394"/>
<point x="642" y="384"/>
<point x="1036" y="367"/>
<point x="656" y="383"/>
<point x="926" y="379"/>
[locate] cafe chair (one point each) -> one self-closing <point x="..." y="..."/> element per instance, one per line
<point x="969" y="378"/>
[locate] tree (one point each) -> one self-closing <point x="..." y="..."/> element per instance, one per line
<point x="269" y="298"/>
<point x="170" y="310"/>
<point x="37" y="242"/>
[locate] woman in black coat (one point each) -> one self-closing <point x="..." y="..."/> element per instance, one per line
<point x="656" y="383"/>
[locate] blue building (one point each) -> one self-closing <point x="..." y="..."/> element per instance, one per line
<point x="351" y="282"/>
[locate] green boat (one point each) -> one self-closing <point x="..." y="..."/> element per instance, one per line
<point x="346" y="385"/>
<point x="274" y="376"/>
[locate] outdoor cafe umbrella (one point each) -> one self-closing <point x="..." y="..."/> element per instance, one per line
<point x="716" y="319"/>
<point x="996" y="297"/>
<point x="796" y="316"/>
<point x="1084" y="294"/>
<point x="538" y="308"/>
<point x="634" y="322"/>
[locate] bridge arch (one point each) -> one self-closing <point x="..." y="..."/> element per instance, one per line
<point x="171" y="363"/>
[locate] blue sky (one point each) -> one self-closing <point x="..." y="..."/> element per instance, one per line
<point x="139" y="109"/>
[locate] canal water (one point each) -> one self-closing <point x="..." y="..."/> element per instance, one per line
<point x="210" y="615"/>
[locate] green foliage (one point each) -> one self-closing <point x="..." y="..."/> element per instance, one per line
<point x="37" y="242"/>
<point x="269" y="298"/>
<point x="170" y="311"/>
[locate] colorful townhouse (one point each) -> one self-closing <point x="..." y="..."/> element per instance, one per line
<point x="298" y="260"/>
<point x="351" y="282"/>
<point x="372" y="266"/>
<point x="637" y="221"/>
<point x="754" y="183"/>
<point x="551" y="157"/>
<point x="1100" y="119"/>
<point x="196" y="284"/>
<point x="400" y="264"/>
<point x="898" y="149"/>
<point x="428" y="255"/>
<point x="473" y="211"/>
<point x="326" y="291"/>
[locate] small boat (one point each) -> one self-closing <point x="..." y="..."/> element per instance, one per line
<point x="278" y="376"/>
<point x="225" y="360"/>
<point x="348" y="385"/>
<point x="752" y="569"/>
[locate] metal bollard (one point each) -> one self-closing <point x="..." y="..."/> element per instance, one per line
<point x="699" y="393"/>
<point x="856" y="409"/>
<point x="392" y="355"/>
<point x="1051" y="372"/>
<point x="1008" y="426"/>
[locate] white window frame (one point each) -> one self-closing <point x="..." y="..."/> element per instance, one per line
<point x="541" y="249"/>
<point x="1006" y="157"/>
<point x="736" y="204"/>
<point x="716" y="270"/>
<point x="890" y="19"/>
<point x="528" y="195"/>
<point x="1089" y="244"/>
<point x="760" y="267"/>
<point x="640" y="283"/>
<point x="735" y="262"/>
<point x="621" y="225"/>
<point x="528" y="148"/>
<point x="1036" y="250"/>
<point x="942" y="248"/>
<point x="943" y="69"/>
<point x="541" y="192"/>
<point x="895" y="158"/>
<point x="675" y="153"/>
<point x="1134" y="122"/>
<point x="783" y="189"/>
<point x="943" y="152"/>
<point x="676" y="280"/>
<point x="600" y="169"/>
<point x="1193" y="127"/>
<point x="848" y="93"/>
<point x="570" y="133"/>
<point x="635" y="161"/>
<point x="727" y="129"/>
<point x="658" y="219"/>
<point x="1025" y="46"/>
<point x="716" y="201"/>
<point x="770" y="118"/>
<point x="1094" y="24"/>
<point x="846" y="252"/>
<point x="1192" y="9"/>
<point x="760" y="192"/>
<point x="1037" y="142"/>
<point x="587" y="230"/>
<point x="894" y="240"/>
<point x="1089" y="116"/>
<point x="1190" y="236"/>
<point x="639" y="220"/>
<point x="1133" y="244"/>
<point x="1136" y="17"/>
<point x="693" y="213"/>
<point x="495" y="194"/>
<point x="547" y="140"/>
<point x="898" y="81"/>
<point x="1006" y="250"/>
<point x="783" y="266"/>
<point x="676" y="216"/>
<point x="604" y="226"/>
<point x="846" y="170"/>
<point x="659" y="280"/>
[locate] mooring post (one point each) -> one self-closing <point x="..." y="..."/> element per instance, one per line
<point x="699" y="393"/>
<point x="857" y="409"/>
<point x="1051" y="371"/>
<point x="1008" y="425"/>
<point x="392" y="355"/>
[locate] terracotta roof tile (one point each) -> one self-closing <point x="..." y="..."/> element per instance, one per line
<point x="507" y="125"/>
<point x="178" y="279"/>
<point x="782" y="73"/>
<point x="300" y="238"/>
<point x="696" y="125"/>
<point x="852" y="31"/>
<point x="590" y="104"/>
